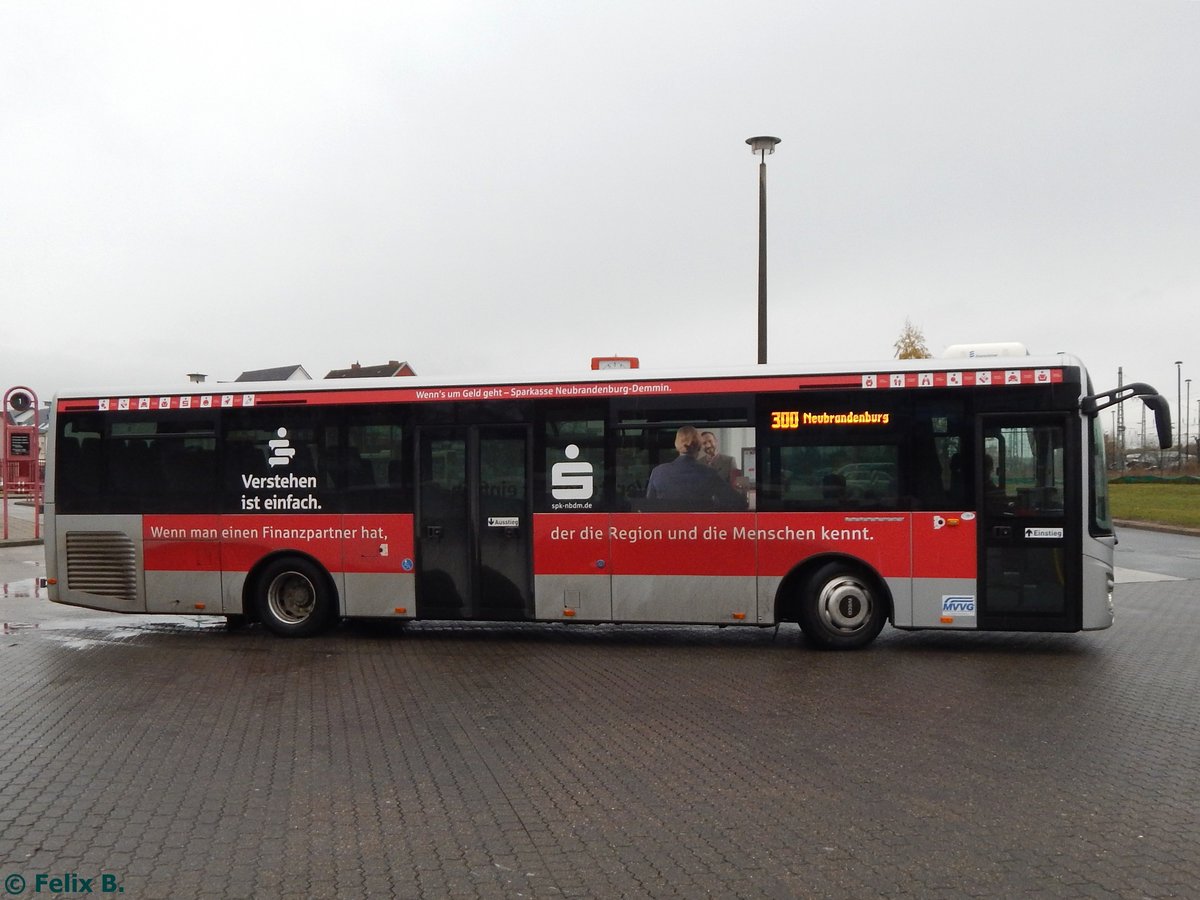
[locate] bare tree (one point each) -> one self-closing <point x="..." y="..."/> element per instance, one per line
<point x="911" y="344"/>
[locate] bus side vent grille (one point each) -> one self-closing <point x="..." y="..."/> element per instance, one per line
<point x="102" y="562"/>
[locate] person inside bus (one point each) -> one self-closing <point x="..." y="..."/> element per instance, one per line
<point x="994" y="498"/>
<point x="989" y="473"/>
<point x="689" y="483"/>
<point x="958" y="480"/>
<point x="711" y="456"/>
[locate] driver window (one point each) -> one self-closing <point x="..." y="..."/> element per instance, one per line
<point x="1022" y="471"/>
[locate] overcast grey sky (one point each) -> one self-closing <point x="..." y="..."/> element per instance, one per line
<point x="511" y="187"/>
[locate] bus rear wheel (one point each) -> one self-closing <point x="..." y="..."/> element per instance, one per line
<point x="841" y="608"/>
<point x="294" y="598"/>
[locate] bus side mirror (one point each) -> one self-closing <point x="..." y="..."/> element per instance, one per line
<point x="1162" y="418"/>
<point x="1094" y="403"/>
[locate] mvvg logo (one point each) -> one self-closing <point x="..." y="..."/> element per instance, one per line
<point x="958" y="606"/>
<point x="572" y="480"/>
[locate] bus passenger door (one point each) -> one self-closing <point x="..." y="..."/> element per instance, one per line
<point x="1027" y="478"/>
<point x="474" y="528"/>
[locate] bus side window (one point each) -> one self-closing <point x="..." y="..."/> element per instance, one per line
<point x="939" y="478"/>
<point x="79" y="469"/>
<point x="574" y="471"/>
<point x="371" y="474"/>
<point x="709" y="480"/>
<point x="635" y="458"/>
<point x="264" y="443"/>
<point x="189" y="467"/>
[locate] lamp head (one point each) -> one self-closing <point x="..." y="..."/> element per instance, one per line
<point x="762" y="145"/>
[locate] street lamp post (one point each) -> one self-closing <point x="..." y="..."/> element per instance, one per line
<point x="1187" y="421"/>
<point x="761" y="146"/>
<point x="1179" y="406"/>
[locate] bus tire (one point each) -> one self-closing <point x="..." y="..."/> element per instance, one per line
<point x="841" y="608"/>
<point x="294" y="598"/>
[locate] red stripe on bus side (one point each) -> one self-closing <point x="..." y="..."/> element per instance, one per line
<point x="346" y="543"/>
<point x="571" y="390"/>
<point x="897" y="545"/>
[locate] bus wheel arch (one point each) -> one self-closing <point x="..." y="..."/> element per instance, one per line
<point x="292" y="594"/>
<point x="840" y="603"/>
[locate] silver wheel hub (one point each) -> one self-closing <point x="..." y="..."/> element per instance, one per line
<point x="845" y="604"/>
<point x="291" y="598"/>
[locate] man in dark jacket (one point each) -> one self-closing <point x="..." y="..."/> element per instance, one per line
<point x="687" y="480"/>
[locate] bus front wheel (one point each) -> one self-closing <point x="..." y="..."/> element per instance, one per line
<point x="841" y="608"/>
<point x="295" y="598"/>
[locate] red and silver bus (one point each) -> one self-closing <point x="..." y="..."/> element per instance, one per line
<point x="961" y="493"/>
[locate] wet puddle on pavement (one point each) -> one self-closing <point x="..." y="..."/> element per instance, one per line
<point x="106" y="628"/>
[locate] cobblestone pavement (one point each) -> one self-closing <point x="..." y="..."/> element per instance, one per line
<point x="180" y="760"/>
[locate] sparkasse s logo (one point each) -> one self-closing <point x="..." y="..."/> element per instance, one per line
<point x="282" y="450"/>
<point x="572" y="480"/>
